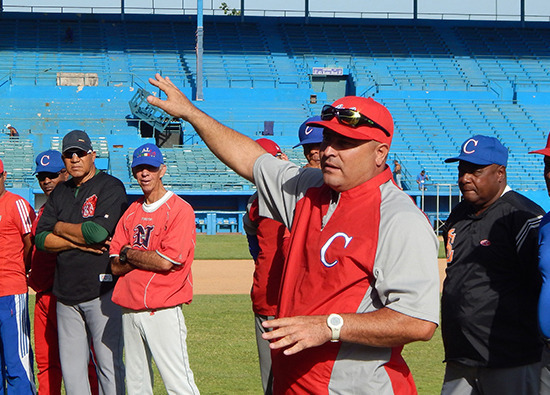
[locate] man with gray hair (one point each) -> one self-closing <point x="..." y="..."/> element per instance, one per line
<point x="152" y="250"/>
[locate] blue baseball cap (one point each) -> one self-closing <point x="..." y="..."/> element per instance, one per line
<point x="310" y="134"/>
<point x="49" y="161"/>
<point x="482" y="150"/>
<point x="147" y="154"/>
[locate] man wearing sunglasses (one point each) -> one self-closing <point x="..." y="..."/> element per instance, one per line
<point x="361" y="277"/>
<point x="16" y="365"/>
<point x="84" y="211"/>
<point x="50" y="171"/>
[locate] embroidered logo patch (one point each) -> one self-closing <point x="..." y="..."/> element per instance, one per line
<point x="105" y="278"/>
<point x="142" y="235"/>
<point x="485" y="243"/>
<point x="88" y="208"/>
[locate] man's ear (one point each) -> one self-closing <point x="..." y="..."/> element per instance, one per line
<point x="162" y="170"/>
<point x="381" y="151"/>
<point x="501" y="172"/>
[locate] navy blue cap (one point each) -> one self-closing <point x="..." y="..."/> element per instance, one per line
<point x="310" y="134"/>
<point x="49" y="161"/>
<point x="482" y="150"/>
<point x="77" y="139"/>
<point x="147" y="154"/>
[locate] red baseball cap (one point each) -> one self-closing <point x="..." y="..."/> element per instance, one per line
<point x="270" y="146"/>
<point x="1" y="166"/>
<point x="544" y="151"/>
<point x="368" y="107"/>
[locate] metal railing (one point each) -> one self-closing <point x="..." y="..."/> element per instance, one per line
<point x="211" y="7"/>
<point x="450" y="192"/>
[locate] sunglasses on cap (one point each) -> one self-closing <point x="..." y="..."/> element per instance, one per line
<point x="46" y="174"/>
<point x="79" y="152"/>
<point x="349" y="117"/>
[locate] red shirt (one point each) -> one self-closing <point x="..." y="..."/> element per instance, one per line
<point x="273" y="239"/>
<point x="16" y="216"/>
<point x="42" y="264"/>
<point x="330" y="269"/>
<point x="170" y="231"/>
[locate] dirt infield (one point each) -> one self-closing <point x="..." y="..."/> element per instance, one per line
<point x="234" y="276"/>
<point x="222" y="276"/>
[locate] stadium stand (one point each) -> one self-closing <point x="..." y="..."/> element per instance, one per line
<point x="442" y="81"/>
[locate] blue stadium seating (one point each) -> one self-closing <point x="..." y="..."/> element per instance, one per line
<point x="442" y="81"/>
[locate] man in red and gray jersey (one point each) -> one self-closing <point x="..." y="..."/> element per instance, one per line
<point x="361" y="277"/>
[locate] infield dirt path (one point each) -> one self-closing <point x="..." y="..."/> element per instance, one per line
<point x="234" y="276"/>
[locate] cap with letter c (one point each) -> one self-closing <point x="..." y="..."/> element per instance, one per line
<point x="482" y="150"/>
<point x="49" y="161"/>
<point x="309" y="134"/>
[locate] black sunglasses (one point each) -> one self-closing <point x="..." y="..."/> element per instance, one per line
<point x="79" y="152"/>
<point x="45" y="174"/>
<point x="349" y="117"/>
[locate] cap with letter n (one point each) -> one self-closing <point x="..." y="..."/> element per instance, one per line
<point x="147" y="154"/>
<point x="482" y="150"/>
<point x="49" y="161"/>
<point x="77" y="139"/>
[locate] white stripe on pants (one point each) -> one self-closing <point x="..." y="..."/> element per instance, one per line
<point x="160" y="334"/>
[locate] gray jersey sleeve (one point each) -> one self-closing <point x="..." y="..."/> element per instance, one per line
<point x="406" y="268"/>
<point x="280" y="185"/>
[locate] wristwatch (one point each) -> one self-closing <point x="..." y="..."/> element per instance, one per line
<point x="335" y="323"/>
<point x="122" y="257"/>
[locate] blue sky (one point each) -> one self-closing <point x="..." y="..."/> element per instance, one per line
<point x="538" y="10"/>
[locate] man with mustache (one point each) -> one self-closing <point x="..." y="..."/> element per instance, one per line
<point x="50" y="172"/>
<point x="360" y="279"/>
<point x="85" y="211"/>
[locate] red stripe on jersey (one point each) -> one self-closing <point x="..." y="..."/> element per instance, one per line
<point x="400" y="376"/>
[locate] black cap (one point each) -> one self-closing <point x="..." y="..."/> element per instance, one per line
<point x="77" y="139"/>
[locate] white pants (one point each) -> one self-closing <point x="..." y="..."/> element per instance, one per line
<point x="161" y="335"/>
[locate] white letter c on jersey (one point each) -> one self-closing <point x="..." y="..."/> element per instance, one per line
<point x="327" y="245"/>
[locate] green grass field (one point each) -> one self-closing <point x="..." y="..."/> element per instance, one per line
<point x="229" y="246"/>
<point x="221" y="340"/>
<point x="222" y="349"/>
